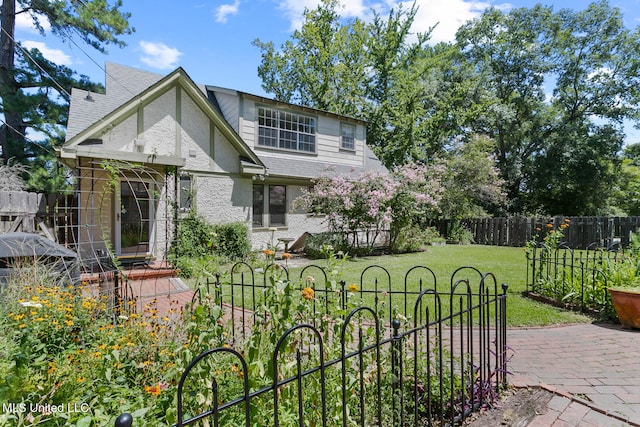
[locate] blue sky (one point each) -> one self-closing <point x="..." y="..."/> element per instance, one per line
<point x="211" y="40"/>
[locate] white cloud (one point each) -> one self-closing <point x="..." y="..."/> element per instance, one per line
<point x="53" y="55"/>
<point x="24" y="21"/>
<point x="159" y="55"/>
<point x="294" y="9"/>
<point x="449" y="15"/>
<point x="223" y="11"/>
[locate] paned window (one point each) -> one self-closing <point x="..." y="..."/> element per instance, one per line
<point x="347" y="136"/>
<point x="269" y="211"/>
<point x="258" y="205"/>
<point x="186" y="193"/>
<point x="286" y="130"/>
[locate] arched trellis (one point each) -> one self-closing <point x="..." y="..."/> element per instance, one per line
<point x="125" y="215"/>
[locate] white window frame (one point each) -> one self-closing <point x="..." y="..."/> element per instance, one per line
<point x="286" y="130"/>
<point x="348" y="142"/>
<point x="265" y="220"/>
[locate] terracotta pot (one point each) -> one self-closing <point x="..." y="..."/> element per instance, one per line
<point x="627" y="305"/>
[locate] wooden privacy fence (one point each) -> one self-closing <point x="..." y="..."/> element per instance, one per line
<point x="52" y="214"/>
<point x="583" y="231"/>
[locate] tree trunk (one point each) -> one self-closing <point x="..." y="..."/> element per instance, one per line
<point x="11" y="133"/>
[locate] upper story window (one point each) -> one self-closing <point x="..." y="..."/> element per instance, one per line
<point x="347" y="136"/>
<point x="285" y="130"/>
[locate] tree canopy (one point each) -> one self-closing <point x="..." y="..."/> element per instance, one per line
<point x="550" y="89"/>
<point x="35" y="91"/>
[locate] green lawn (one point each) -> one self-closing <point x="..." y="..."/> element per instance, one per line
<point x="507" y="264"/>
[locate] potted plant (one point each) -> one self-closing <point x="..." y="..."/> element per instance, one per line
<point x="626" y="302"/>
<point x="624" y="287"/>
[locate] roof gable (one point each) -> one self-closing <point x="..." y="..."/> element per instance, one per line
<point x="113" y="109"/>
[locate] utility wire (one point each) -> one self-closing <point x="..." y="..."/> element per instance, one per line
<point x="100" y="66"/>
<point x="47" y="147"/>
<point x="62" y="89"/>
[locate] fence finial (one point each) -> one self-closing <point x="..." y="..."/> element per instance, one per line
<point x="395" y="324"/>
<point x="124" y="420"/>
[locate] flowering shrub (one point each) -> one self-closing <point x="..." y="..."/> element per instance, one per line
<point x="65" y="362"/>
<point x="372" y="202"/>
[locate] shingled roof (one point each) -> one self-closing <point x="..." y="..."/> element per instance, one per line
<point x="277" y="166"/>
<point x="124" y="83"/>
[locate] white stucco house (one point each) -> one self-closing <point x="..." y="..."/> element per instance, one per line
<point x="155" y="146"/>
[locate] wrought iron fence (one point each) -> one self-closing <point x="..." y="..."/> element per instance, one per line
<point x="576" y="279"/>
<point x="368" y="354"/>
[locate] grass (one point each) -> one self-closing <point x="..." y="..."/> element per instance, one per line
<point x="507" y="264"/>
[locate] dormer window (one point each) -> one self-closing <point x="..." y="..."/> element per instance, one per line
<point x="347" y="136"/>
<point x="286" y="130"/>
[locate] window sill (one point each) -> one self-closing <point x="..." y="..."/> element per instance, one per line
<point x="284" y="150"/>
<point x="264" y="228"/>
<point x="347" y="150"/>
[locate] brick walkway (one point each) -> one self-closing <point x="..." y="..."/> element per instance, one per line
<point x="593" y="370"/>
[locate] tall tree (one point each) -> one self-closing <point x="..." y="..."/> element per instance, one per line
<point x="34" y="91"/>
<point x="364" y="70"/>
<point x="561" y="85"/>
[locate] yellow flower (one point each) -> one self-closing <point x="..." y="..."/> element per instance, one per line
<point x="353" y="288"/>
<point x="286" y="255"/>
<point x="268" y="252"/>
<point x="81" y="379"/>
<point x="308" y="293"/>
<point x="237" y="370"/>
<point x="153" y="390"/>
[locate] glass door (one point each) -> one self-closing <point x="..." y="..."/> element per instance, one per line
<point x="135" y="218"/>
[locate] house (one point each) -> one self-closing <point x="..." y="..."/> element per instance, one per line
<point x="153" y="147"/>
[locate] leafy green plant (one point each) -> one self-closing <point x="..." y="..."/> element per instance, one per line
<point x="460" y="234"/>
<point x="231" y="240"/>
<point x="199" y="247"/>
<point x="66" y="348"/>
<point x="314" y="246"/>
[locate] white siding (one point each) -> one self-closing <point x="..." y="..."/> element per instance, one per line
<point x="230" y="107"/>
<point x="327" y="139"/>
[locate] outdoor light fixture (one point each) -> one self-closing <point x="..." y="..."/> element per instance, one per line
<point x="139" y="143"/>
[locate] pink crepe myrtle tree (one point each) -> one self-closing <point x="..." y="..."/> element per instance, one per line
<point x="361" y="206"/>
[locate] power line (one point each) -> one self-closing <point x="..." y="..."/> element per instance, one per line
<point x="36" y="64"/>
<point x="47" y="148"/>
<point x="99" y="66"/>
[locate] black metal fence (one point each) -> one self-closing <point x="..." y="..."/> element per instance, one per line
<point x="369" y="354"/>
<point x="575" y="279"/>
